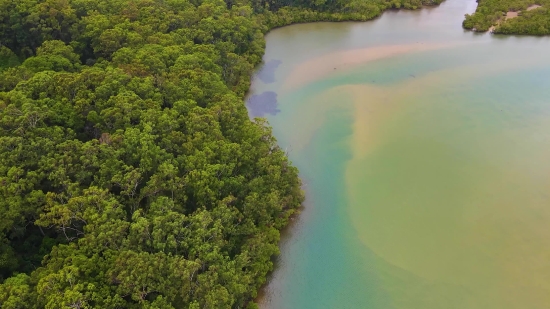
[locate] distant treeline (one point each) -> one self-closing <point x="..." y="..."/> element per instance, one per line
<point x="492" y="13"/>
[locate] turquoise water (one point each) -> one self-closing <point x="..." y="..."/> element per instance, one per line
<point x="424" y="153"/>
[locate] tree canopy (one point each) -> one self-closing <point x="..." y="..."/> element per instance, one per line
<point x="130" y="173"/>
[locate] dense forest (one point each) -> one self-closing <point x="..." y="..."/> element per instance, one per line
<point x="130" y="173"/>
<point x="533" y="17"/>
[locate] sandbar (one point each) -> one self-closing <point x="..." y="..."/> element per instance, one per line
<point x="534" y="6"/>
<point x="511" y="15"/>
<point x="320" y="67"/>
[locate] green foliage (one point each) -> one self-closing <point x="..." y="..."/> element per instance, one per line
<point x="535" y="22"/>
<point x="492" y="13"/>
<point x="8" y="58"/>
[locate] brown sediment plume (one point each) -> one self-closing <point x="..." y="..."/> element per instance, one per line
<point x="466" y="255"/>
<point x="369" y="105"/>
<point x="337" y="62"/>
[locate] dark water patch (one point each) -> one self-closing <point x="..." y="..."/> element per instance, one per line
<point x="267" y="72"/>
<point x="264" y="103"/>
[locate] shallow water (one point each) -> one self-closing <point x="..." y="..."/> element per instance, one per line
<point x="424" y="151"/>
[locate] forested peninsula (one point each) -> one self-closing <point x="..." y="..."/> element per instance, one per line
<point x="130" y="173"/>
<point x="531" y="17"/>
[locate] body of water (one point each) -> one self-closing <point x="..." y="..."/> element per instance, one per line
<point x="425" y="155"/>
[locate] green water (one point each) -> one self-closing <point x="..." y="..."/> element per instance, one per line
<point x="426" y="166"/>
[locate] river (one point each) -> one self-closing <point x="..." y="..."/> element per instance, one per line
<point x="424" y="151"/>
